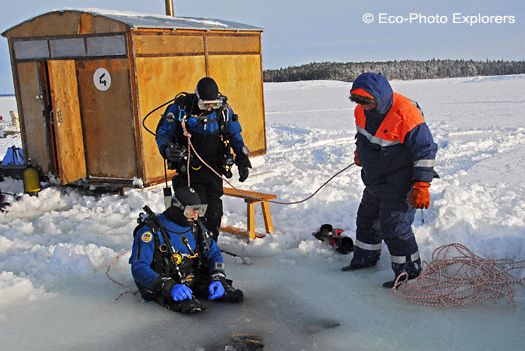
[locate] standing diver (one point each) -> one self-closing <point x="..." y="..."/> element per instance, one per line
<point x="215" y="130"/>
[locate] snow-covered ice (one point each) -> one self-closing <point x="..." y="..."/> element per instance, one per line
<point x="55" y="248"/>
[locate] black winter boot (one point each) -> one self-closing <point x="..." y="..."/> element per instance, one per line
<point x="362" y="259"/>
<point x="412" y="269"/>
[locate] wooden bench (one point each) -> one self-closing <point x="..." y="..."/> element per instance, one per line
<point x="251" y="198"/>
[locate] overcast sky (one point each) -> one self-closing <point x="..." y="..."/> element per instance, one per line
<point x="303" y="31"/>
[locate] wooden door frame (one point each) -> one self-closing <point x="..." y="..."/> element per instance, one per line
<point x="47" y="111"/>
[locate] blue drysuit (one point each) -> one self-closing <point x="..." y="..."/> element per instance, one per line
<point x="148" y="259"/>
<point x="205" y="130"/>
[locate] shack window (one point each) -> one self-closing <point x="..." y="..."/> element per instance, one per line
<point x="31" y="49"/>
<point x="70" y="47"/>
<point x="114" y="45"/>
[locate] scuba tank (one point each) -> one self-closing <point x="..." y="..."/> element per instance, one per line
<point x="31" y="179"/>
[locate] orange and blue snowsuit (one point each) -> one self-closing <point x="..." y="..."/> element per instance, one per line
<point x="396" y="148"/>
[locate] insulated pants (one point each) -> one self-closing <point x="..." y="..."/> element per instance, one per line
<point x="385" y="216"/>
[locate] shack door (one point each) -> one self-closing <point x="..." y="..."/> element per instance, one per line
<point x="69" y="144"/>
<point x="107" y="118"/>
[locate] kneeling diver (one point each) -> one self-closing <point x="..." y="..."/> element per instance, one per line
<point x="174" y="259"/>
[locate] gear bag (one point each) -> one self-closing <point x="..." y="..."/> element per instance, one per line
<point x="13" y="157"/>
<point x="342" y="243"/>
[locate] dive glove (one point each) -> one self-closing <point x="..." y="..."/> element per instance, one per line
<point x="173" y="153"/>
<point x="243" y="163"/>
<point x="216" y="290"/>
<point x="419" y="197"/>
<point x="181" y="292"/>
<point x="244" y="172"/>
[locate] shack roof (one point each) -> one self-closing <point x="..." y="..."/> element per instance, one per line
<point x="136" y="20"/>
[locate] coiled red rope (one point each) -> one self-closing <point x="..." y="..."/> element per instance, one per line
<point x="458" y="277"/>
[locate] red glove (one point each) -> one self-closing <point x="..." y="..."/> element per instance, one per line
<point x="419" y="197"/>
<point x="357" y="160"/>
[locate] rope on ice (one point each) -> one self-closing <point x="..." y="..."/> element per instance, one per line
<point x="458" y="277"/>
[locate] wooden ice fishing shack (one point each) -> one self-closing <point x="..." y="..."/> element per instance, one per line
<point x="84" y="79"/>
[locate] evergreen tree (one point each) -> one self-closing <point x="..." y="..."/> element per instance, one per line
<point x="405" y="69"/>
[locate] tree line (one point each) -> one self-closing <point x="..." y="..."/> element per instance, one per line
<point x="404" y="70"/>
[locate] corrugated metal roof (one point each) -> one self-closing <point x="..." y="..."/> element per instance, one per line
<point x="145" y="20"/>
